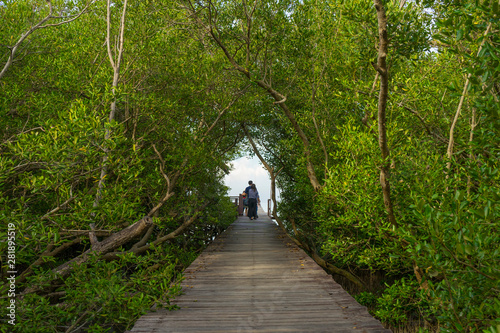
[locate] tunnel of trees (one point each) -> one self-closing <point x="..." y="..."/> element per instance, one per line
<point x="377" y="120"/>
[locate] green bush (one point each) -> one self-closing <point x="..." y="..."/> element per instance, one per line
<point x="400" y="302"/>
<point x="365" y="298"/>
<point x="455" y="239"/>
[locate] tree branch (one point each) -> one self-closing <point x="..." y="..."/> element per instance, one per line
<point x="451" y="142"/>
<point x="39" y="25"/>
<point x="158" y="241"/>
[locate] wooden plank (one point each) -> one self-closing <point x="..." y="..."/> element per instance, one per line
<point x="252" y="278"/>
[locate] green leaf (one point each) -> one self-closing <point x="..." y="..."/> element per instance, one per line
<point x="494" y="7"/>
<point x="467" y="238"/>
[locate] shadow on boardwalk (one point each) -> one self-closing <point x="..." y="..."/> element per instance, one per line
<point x="253" y="279"/>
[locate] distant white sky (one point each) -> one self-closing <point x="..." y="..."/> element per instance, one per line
<point x="245" y="169"/>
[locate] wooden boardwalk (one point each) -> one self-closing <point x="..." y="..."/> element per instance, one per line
<point x="254" y="279"/>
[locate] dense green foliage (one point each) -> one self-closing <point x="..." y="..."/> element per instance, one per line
<point x="55" y="103"/>
<point x="300" y="76"/>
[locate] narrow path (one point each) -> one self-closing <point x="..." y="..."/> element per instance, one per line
<point x="253" y="279"/>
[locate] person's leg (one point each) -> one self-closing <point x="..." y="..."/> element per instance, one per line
<point x="251" y="208"/>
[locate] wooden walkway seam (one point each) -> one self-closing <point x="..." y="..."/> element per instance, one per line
<point x="252" y="278"/>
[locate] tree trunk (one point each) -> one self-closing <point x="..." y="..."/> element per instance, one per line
<point x="115" y="64"/>
<point x="381" y="67"/>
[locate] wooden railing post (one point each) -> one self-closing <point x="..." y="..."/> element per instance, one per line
<point x="240" y="205"/>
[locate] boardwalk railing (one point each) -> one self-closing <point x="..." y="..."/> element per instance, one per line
<point x="238" y="202"/>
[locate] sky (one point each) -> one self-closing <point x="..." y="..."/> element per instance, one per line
<point x="245" y="169"/>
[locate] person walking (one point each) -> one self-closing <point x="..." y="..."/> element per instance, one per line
<point x="245" y="203"/>
<point x="246" y="193"/>
<point x="248" y="187"/>
<point x="253" y="201"/>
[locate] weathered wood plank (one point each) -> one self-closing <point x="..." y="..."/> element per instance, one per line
<point x="254" y="279"/>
